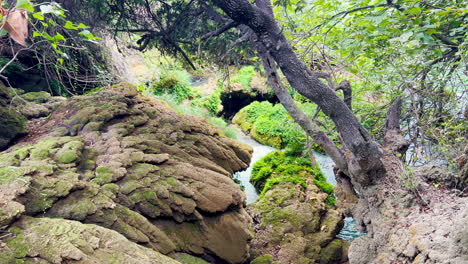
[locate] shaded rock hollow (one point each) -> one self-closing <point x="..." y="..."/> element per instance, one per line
<point x="130" y="164"/>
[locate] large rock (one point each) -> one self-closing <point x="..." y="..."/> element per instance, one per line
<point x="47" y="240"/>
<point x="411" y="217"/>
<point x="295" y="225"/>
<point x="12" y="123"/>
<point x="129" y="163"/>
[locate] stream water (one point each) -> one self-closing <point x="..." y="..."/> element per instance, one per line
<point x="349" y="231"/>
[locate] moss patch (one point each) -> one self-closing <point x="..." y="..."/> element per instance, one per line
<point x="278" y="167"/>
<point x="265" y="259"/>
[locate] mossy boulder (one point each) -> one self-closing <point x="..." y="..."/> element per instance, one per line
<point x="129" y="164"/>
<point x="37" y="97"/>
<point x="47" y="240"/>
<point x="12" y="122"/>
<point x="294" y="224"/>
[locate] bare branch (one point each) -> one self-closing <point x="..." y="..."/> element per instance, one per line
<point x="220" y="30"/>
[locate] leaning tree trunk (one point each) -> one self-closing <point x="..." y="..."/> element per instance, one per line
<point x="363" y="154"/>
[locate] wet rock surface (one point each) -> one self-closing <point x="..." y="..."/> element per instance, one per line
<point x="132" y="166"/>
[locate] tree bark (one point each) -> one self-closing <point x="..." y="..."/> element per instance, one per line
<point x="364" y="156"/>
<point x="297" y="114"/>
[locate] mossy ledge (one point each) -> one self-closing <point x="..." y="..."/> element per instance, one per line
<point x="295" y="218"/>
<point x="133" y="167"/>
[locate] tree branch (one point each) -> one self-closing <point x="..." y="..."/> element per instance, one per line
<point x="220" y="30"/>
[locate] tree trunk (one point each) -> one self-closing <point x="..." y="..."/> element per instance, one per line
<point x="364" y="156"/>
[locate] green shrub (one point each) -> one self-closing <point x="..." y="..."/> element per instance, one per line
<point x="212" y="102"/>
<point x="176" y="83"/>
<point x="244" y="76"/>
<point x="193" y="109"/>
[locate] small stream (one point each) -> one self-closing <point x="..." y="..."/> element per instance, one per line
<point x="349" y="231"/>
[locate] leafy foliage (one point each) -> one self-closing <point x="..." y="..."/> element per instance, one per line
<point x="390" y="48"/>
<point x="63" y="52"/>
<point x="192" y="109"/>
<point x="176" y="83"/>
<point x="271" y="125"/>
<point x="244" y="76"/>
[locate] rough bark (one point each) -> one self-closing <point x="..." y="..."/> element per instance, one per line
<point x="364" y="156"/>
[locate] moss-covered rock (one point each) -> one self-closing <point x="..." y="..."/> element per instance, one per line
<point x="37" y="97"/>
<point x="294" y="224"/>
<point x="12" y="125"/>
<point x="188" y="259"/>
<point x="46" y="240"/>
<point x="129" y="164"/>
<point x="265" y="259"/>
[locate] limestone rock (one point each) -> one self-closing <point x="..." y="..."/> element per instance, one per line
<point x="424" y="223"/>
<point x="128" y="163"/>
<point x="294" y="225"/>
<point x="46" y="240"/>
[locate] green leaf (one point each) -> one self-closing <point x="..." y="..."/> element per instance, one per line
<point x="59" y="37"/>
<point x="69" y="25"/>
<point x="25" y="4"/>
<point x="81" y="26"/>
<point x="52" y="9"/>
<point x="88" y="35"/>
<point x="38" y="16"/>
<point x="37" y="34"/>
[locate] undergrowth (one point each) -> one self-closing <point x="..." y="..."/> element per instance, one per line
<point x="191" y="109"/>
<point x="270" y="124"/>
<point x="244" y="76"/>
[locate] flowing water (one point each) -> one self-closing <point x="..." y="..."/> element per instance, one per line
<point x="259" y="151"/>
<point x="349" y="231"/>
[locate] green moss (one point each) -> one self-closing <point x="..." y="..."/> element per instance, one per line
<point x="270" y="125"/>
<point x="141" y="170"/>
<point x="172" y="181"/>
<point x="265" y="259"/>
<point x="292" y="179"/>
<point x="12" y="124"/>
<point x="103" y="175"/>
<point x="129" y="186"/>
<point x="8" y="174"/>
<point x="23" y="153"/>
<point x="332" y="253"/>
<point x="188" y="259"/>
<point x="67" y="156"/>
<point x="37" y="97"/>
<point x="18" y="244"/>
<point x="110" y="187"/>
<point x="331" y="200"/>
<point x="244" y="76"/>
<point x="42" y="149"/>
<point x="176" y="83"/>
<point x="278" y="167"/>
<point x="40" y="204"/>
